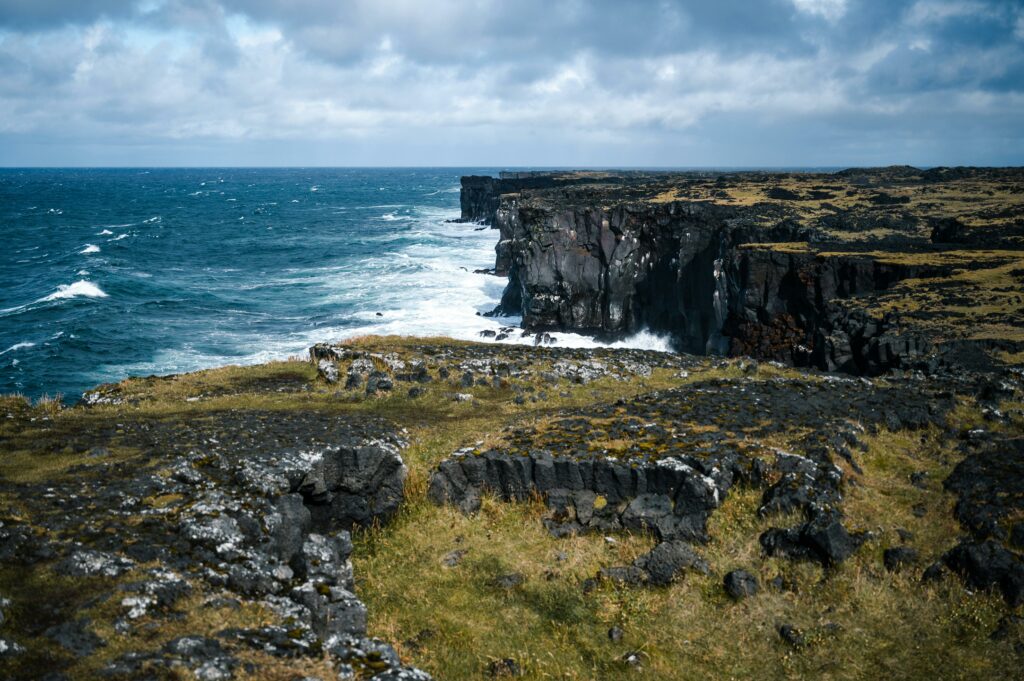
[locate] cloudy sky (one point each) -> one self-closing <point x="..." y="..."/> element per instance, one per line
<point x="511" y="83"/>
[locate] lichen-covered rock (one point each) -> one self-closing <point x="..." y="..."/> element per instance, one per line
<point x="327" y="370"/>
<point x="248" y="504"/>
<point x="88" y="563"/>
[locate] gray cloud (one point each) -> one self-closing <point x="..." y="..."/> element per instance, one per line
<point x="32" y="14"/>
<point x="563" y="82"/>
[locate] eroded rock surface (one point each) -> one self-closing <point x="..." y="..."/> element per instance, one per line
<point x="251" y="508"/>
<point x="784" y="266"/>
<point x="652" y="463"/>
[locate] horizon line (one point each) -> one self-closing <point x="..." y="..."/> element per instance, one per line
<point x="512" y="167"/>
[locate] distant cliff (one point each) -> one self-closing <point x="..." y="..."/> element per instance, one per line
<point x="481" y="194"/>
<point x="675" y="254"/>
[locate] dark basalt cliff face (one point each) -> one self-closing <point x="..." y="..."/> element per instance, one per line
<point x="779" y="306"/>
<point x="720" y="279"/>
<point x="682" y="268"/>
<point x="481" y="194"/>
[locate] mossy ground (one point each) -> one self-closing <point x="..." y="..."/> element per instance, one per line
<point x="858" y="620"/>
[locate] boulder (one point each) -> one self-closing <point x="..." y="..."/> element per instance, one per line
<point x="668" y="560"/>
<point x="987" y="564"/>
<point x="740" y="584"/>
<point x="327" y="370"/>
<point x="899" y="557"/>
<point x="824" y="540"/>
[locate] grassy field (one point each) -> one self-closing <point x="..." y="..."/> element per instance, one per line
<point x="436" y="581"/>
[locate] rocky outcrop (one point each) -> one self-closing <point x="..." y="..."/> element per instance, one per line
<point x="989" y="484"/>
<point x="717" y="277"/>
<point x="683" y="268"/>
<point x="481" y="195"/>
<point x="672" y="497"/>
<point x="668" y="480"/>
<point x="782" y="305"/>
<point x="255" y="506"/>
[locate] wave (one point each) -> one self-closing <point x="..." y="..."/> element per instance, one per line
<point x="17" y="346"/>
<point x="81" y="288"/>
<point x="105" y="232"/>
<point x="90" y="248"/>
<point x="119" y="237"/>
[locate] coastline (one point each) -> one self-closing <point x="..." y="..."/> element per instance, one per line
<point x="387" y="504"/>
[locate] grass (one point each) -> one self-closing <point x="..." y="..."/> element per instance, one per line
<point x="859" y="620"/>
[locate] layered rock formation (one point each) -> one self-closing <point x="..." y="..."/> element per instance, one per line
<point x="680" y="254"/>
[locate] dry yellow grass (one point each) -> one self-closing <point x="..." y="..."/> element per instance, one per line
<point x="859" y="620"/>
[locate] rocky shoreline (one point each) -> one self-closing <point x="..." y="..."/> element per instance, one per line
<point x="831" y="479"/>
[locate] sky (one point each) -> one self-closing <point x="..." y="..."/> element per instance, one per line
<point x="664" y="83"/>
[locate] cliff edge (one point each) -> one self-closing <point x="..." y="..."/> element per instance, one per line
<point x="860" y="271"/>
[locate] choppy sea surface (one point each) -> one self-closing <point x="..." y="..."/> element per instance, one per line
<point x="109" y="273"/>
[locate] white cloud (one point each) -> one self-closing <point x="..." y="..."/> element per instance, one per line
<point x="211" y="76"/>
<point x="830" y="10"/>
<point x="934" y="11"/>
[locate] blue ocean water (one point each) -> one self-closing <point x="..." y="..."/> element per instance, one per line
<point x="106" y="274"/>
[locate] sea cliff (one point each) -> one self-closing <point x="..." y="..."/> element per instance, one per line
<point x="775" y="266"/>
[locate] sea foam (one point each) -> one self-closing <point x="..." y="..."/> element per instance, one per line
<point x="90" y="248"/>
<point x="17" y="346"/>
<point x="81" y="288"/>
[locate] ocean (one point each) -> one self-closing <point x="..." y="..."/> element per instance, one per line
<point x="110" y="273"/>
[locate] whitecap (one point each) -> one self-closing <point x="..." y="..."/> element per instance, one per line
<point x="90" y="248"/>
<point x="80" y="288"/>
<point x="17" y="346"/>
<point x="154" y="219"/>
<point x="105" y="232"/>
<point x="119" y="237"/>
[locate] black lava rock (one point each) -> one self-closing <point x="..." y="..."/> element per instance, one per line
<point x="740" y="584"/>
<point x="986" y="564"/>
<point x="792" y="635"/>
<point x="898" y="557"/>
